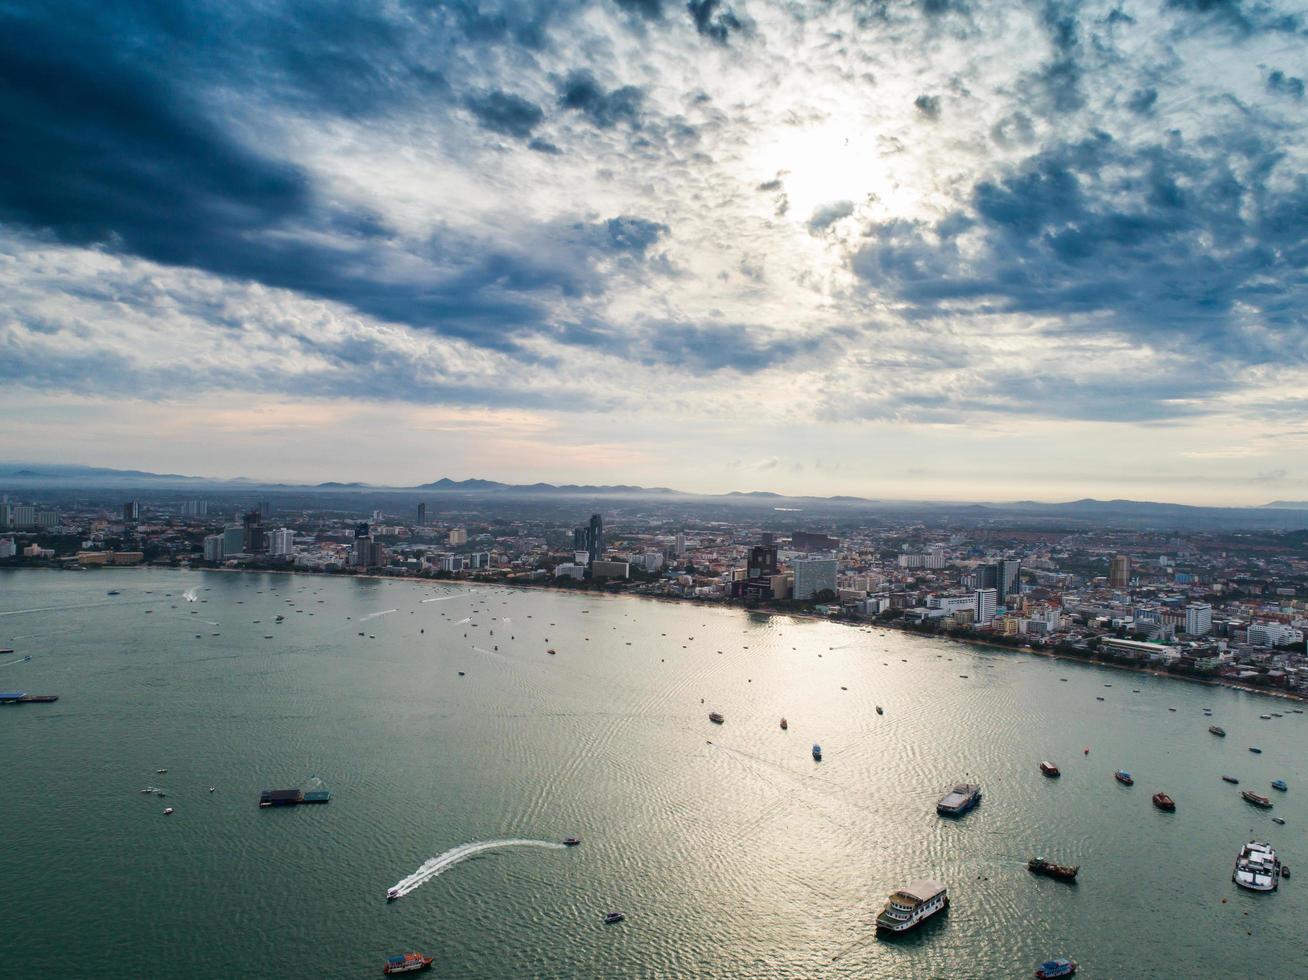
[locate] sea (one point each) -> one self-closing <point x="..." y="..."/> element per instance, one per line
<point x="465" y="731"/>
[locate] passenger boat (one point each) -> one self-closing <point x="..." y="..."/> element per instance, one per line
<point x="716" y="718"/>
<point x="959" y="800"/>
<point x="1063" y="872"/>
<point x="1219" y="732"/>
<point x="1257" y="799"/>
<point x="1061" y="967"/>
<point x="784" y="724"/>
<point x="1279" y="784"/>
<point x="817" y="752"/>
<point x="1231" y="779"/>
<point x="1124" y="777"/>
<point x="571" y="841"/>
<point x="1050" y="770"/>
<point x="613" y="917"/>
<point x="1257" y="868"/>
<point x="1164" y="802"/>
<point x="910" y="907"/>
<point x="407" y="963"/>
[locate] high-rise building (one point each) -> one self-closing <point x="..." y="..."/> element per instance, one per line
<point x="365" y="552"/>
<point x="681" y="544"/>
<point x="132" y="510"/>
<point x="766" y="539"/>
<point x="422" y="515"/>
<point x="233" y="540"/>
<point x="984" y="603"/>
<point x="196" y="508"/>
<point x="579" y="539"/>
<point x="1008" y="579"/>
<point x="281" y="542"/>
<point x="7" y="548"/>
<point x="458" y="536"/>
<point x="813" y="576"/>
<point x="24" y="516"/>
<point x="265" y="510"/>
<point x="213" y="547"/>
<point x="810" y="541"/>
<point x="47" y="518"/>
<point x="6" y="513"/>
<point x="1119" y="572"/>
<point x="595" y="538"/>
<point x="762" y="561"/>
<point x="255" y="540"/>
<point x="1198" y="619"/>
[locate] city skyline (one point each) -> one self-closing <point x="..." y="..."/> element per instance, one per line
<point x="932" y="251"/>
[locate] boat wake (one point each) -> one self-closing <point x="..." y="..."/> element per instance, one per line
<point x="441" y="598"/>
<point x="191" y="595"/>
<point x="364" y="619"/>
<point x="465" y="619"/>
<point x="442" y="863"/>
<point x="20" y="660"/>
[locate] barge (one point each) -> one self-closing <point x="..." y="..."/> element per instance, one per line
<point x="315" y="792"/>
<point x="22" y="697"/>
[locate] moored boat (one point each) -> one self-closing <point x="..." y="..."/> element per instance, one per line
<point x="1231" y="779"/>
<point x="909" y="907"/>
<point x="716" y="718"/>
<point x="817" y="752"/>
<point x="1124" y="777"/>
<point x="880" y="711"/>
<point x="1257" y="799"/>
<point x="1219" y="732"/>
<point x="1164" y="802"/>
<point x="1279" y="784"/>
<point x="407" y="963"/>
<point x="1255" y="750"/>
<point x="1050" y="770"/>
<point x="1060" y="967"/>
<point x="959" y="800"/>
<point x="1063" y="872"/>
<point x="613" y="917"/>
<point x="1257" y="868"/>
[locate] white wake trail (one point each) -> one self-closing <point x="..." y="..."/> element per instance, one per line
<point x="443" y="862"/>
<point x="364" y="619"/>
<point x="191" y="595"/>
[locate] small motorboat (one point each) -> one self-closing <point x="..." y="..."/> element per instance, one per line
<point x="210" y="789"/>
<point x="1255" y="750"/>
<point x="1279" y="784"/>
<point x="1086" y="750"/>
<point x="461" y="674"/>
<point x="817" y="752"/>
<point x="160" y="793"/>
<point x="716" y="717"/>
<point x="1061" y="967"/>
<point x="612" y="917"/>
<point x="392" y="894"/>
<point x="112" y="592"/>
<point x="148" y="789"/>
<point x="880" y="710"/>
<point x="168" y="811"/>
<point x="1265" y="717"/>
<point x="407" y="963"/>
<point x="1231" y="779"/>
<point x="1098" y="697"/>
<point x="571" y="841"/>
<point x="1124" y="777"/>
<point x="161" y="771"/>
<point x="784" y="725"/>
<point x="1257" y="799"/>
<point x="1281" y="821"/>
<point x="1219" y="732"/>
<point x="1164" y="802"/>
<point x="1050" y="770"/>
<point x="551" y="651"/>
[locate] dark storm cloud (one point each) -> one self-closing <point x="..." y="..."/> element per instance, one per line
<point x="605" y="109"/>
<point x="504" y="112"/>
<point x="1283" y="84"/>
<point x="718" y="347"/>
<point x="649" y="9"/>
<point x="714" y="20"/>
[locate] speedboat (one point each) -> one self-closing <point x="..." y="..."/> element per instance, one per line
<point x="1281" y="821"/>
<point x="1255" y="750"/>
<point x="716" y="717"/>
<point x="161" y="771"/>
<point x="1061" y="967"/>
<point x="1164" y="802"/>
<point x="612" y="917"/>
<point x="168" y="811"/>
<point x="1124" y="777"/>
<point x="1265" y="717"/>
<point x="571" y="841"/>
<point x="1279" y="784"/>
<point x="148" y="789"/>
<point x="392" y="894"/>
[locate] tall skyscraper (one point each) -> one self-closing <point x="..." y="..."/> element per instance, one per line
<point x="766" y="539"/>
<point x="1198" y="619"/>
<point x="1007" y="579"/>
<point x="255" y="540"/>
<point x="681" y="544"/>
<point x="132" y="510"/>
<point x="265" y="510"/>
<point x="422" y="515"/>
<point x="762" y="561"/>
<point x="233" y="540"/>
<point x="1119" y="572"/>
<point x="595" y="538"/>
<point x="213" y="547"/>
<point x="281" y="542"/>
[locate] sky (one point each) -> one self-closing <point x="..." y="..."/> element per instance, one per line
<point x="920" y="249"/>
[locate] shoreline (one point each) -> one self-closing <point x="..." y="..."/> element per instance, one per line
<point x="1282" y="695"/>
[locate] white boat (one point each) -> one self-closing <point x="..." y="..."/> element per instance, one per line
<point x="392" y="894"/>
<point x="911" y="906"/>
<point x="1257" y="868"/>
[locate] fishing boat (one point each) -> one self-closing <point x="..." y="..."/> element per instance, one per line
<point x="571" y="841"/>
<point x="959" y="800"/>
<point x="1061" y="967"/>
<point x="407" y="963"/>
<point x="1124" y="777"/>
<point x="909" y="907"/>
<point x="1257" y="868"/>
<point x="1164" y="802"/>
<point x="784" y="724"/>
<point x="1063" y="872"/>
<point x="1279" y="784"/>
<point x="1257" y="799"/>
<point x="817" y="752"/>
<point x="1231" y="779"/>
<point x="1219" y="732"/>
<point x="716" y="718"/>
<point x="1050" y="770"/>
<point x="613" y="917"/>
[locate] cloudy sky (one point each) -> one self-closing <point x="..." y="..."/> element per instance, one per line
<point x="965" y="249"/>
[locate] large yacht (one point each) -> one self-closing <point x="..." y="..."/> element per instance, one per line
<point x="1257" y="868"/>
<point x="959" y="800"/>
<point x="911" y="906"/>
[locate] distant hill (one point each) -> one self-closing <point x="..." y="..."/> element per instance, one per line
<point x="1288" y="504"/>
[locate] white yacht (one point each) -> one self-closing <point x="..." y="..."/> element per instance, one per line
<point x="912" y="906"/>
<point x="1257" y="868"/>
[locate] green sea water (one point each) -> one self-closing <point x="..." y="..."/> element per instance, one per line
<point x="732" y="853"/>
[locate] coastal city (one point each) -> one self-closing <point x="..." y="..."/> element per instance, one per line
<point x="1229" y="607"/>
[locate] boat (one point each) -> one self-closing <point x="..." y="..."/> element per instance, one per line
<point x="880" y="710"/>
<point x="1219" y="732"/>
<point x="1231" y="779"/>
<point x="1257" y="799"/>
<point x="1124" y="777"/>
<point x="1060" y="967"/>
<point x="1171" y="709"/>
<point x="392" y="894"/>
<point x="1050" y="770"/>
<point x="784" y="725"/>
<point x="1098" y="697"/>
<point x="550" y="651"/>
<point x="1281" y="821"/>
<point x="161" y="771"/>
<point x="960" y="799"/>
<point x="168" y="811"/>
<point x="817" y="752"/>
<point x="407" y="963"/>
<point x="148" y="789"/>
<point x="1279" y="784"/>
<point x="571" y="841"/>
<point x="1277" y="714"/>
<point x="716" y="718"/>
<point x="1255" y="750"/>
<point x="113" y="592"/>
<point x="1265" y="717"/>
<point x="1297" y="711"/>
<point x="1063" y="872"/>
<point x="612" y="917"/>
<point x="1257" y="868"/>
<point x="911" y="906"/>
<point x="1164" y="802"/>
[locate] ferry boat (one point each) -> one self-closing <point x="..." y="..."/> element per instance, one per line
<point x="1061" y="967"/>
<point x="1257" y="868"/>
<point x="817" y="752"/>
<point x="1124" y="777"/>
<point x="716" y="718"/>
<point x="1219" y="732"/>
<point x="1279" y="784"/>
<point x="960" y="799"/>
<point x="407" y="963"/>
<point x="1231" y="779"/>
<point x="1063" y="872"/>
<point x="910" y="907"/>
<point x="1257" y="799"/>
<point x="1050" y="770"/>
<point x="1164" y="802"/>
